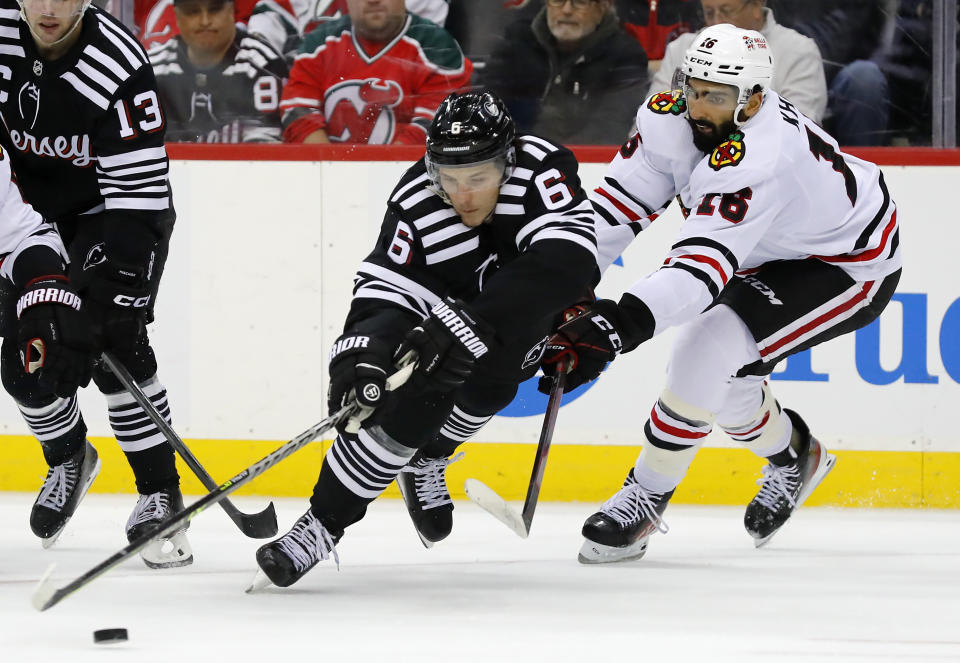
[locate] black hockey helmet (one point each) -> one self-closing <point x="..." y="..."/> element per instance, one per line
<point x="471" y="128"/>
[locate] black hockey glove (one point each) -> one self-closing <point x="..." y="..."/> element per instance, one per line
<point x="447" y="345"/>
<point x="118" y="297"/>
<point x="358" y="368"/>
<point x="54" y="336"/>
<point x="585" y="343"/>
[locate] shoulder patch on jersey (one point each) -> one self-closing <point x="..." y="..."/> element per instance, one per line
<point x="316" y="37"/>
<point x="671" y="102"/>
<point x="729" y="153"/>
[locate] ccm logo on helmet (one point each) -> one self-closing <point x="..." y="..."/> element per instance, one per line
<point x="703" y="62"/>
<point x="133" y="302"/>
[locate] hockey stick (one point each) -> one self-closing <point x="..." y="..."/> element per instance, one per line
<point x="260" y="525"/>
<point x="484" y="496"/>
<point x="47" y="594"/>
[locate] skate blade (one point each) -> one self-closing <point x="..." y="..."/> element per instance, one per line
<point x="168" y="553"/>
<point x="484" y="497"/>
<point x="49" y="541"/>
<point x="818" y="476"/>
<point x="596" y="553"/>
<point x="260" y="581"/>
<point x="427" y="543"/>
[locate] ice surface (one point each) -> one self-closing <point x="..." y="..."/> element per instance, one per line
<point x="834" y="585"/>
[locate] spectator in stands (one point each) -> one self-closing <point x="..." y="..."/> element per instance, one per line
<point x="218" y="83"/>
<point x="852" y="37"/>
<point x="655" y="23"/>
<point x="572" y="74"/>
<point x="374" y="76"/>
<point x="271" y="20"/>
<point x="311" y="13"/>
<point x="798" y="74"/>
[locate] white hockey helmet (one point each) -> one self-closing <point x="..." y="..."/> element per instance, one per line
<point x="727" y="54"/>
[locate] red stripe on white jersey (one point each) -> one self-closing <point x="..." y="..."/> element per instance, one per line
<point x="623" y="209"/>
<point x="819" y="320"/>
<point x="702" y="259"/>
<point x="870" y="254"/>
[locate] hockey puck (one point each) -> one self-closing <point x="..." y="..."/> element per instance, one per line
<point x="107" y="636"/>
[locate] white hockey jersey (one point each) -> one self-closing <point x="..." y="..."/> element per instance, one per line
<point x="20" y="225"/>
<point x="779" y="189"/>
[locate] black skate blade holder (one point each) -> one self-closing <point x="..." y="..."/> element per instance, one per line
<point x="262" y="525"/>
<point x="488" y="500"/>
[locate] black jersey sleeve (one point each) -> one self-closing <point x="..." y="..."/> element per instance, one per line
<point x="128" y="141"/>
<point x="556" y="240"/>
<point x="393" y="285"/>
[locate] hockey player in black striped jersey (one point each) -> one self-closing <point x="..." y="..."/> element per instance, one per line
<point x="218" y="83"/>
<point x="485" y="242"/>
<point x="788" y="242"/>
<point x="84" y="130"/>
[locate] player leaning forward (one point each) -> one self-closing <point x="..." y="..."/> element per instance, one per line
<point x="787" y="243"/>
<point x="485" y="242"/>
<point x="84" y="131"/>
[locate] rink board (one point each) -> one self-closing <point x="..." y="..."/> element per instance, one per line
<point x="259" y="282"/>
<point x="579" y="473"/>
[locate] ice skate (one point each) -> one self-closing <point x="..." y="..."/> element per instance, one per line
<point x="423" y="486"/>
<point x="151" y="511"/>
<point x="784" y="489"/>
<point x="64" y="487"/>
<point x="286" y="560"/>
<point x="619" y="532"/>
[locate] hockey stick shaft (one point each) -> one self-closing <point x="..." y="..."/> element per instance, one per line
<point x="543" y="447"/>
<point x="44" y="598"/>
<point x="48" y="595"/>
<point x="260" y="525"/>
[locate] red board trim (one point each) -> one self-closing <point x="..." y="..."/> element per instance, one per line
<point x="884" y="156"/>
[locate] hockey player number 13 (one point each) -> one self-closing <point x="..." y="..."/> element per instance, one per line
<point x="148" y="104"/>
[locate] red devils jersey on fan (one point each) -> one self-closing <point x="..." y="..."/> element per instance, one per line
<point x="363" y="93"/>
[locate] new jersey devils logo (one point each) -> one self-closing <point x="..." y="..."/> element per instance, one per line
<point x="29" y="103"/>
<point x="362" y="111"/>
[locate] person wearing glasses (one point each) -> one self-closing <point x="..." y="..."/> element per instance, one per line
<point x="799" y="75"/>
<point x="572" y="74"/>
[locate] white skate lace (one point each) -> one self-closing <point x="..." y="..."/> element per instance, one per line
<point x="430" y="480"/>
<point x="152" y="507"/>
<point x="633" y="502"/>
<point x="778" y="482"/>
<point x="308" y="542"/>
<point x="58" y="485"/>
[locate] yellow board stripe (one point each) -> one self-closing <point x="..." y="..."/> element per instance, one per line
<point x="583" y="473"/>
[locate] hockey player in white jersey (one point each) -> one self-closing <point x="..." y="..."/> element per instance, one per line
<point x="787" y="243"/>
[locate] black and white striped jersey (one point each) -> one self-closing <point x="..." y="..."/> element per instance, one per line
<point x="85" y="132"/>
<point x="235" y="101"/>
<point x="536" y="255"/>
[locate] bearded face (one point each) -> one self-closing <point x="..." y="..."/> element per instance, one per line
<point x="707" y="135"/>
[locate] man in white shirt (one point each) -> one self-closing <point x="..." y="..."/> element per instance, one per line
<point x="799" y="74"/>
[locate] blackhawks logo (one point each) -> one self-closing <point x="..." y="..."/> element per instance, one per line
<point x="728" y="153"/>
<point x="671" y="102"/>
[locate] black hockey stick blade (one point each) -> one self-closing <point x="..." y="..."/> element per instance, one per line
<point x="488" y="500"/>
<point x="262" y="525"/>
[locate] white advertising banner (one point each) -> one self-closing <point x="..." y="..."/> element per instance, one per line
<point x="260" y="276"/>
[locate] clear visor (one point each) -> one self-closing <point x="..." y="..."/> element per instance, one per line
<point x="63" y="9"/>
<point x="727" y="96"/>
<point x="469" y="177"/>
